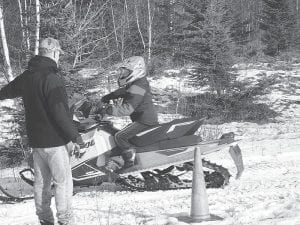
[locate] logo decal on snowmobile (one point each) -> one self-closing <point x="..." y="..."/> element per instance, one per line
<point x="89" y="144"/>
<point x="172" y="128"/>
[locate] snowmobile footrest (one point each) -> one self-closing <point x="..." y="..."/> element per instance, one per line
<point x="227" y="138"/>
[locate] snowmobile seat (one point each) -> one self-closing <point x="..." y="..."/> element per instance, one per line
<point x="167" y="131"/>
<point x="172" y="144"/>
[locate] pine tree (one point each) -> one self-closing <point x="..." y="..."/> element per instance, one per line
<point x="204" y="39"/>
<point x="278" y="26"/>
<point x="164" y="16"/>
<point x="240" y="25"/>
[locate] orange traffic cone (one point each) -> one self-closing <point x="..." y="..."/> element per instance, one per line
<point x="199" y="206"/>
<point x="199" y="201"/>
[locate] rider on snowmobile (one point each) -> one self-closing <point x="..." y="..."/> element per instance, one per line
<point x="136" y="102"/>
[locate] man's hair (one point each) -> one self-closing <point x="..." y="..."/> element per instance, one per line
<point x="48" y="45"/>
<point x="44" y="51"/>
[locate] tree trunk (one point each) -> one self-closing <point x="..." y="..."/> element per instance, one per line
<point x="149" y="30"/>
<point x="37" y="28"/>
<point x="114" y="24"/>
<point x="27" y="32"/>
<point x="138" y="24"/>
<point x="297" y="12"/>
<point x="22" y="24"/>
<point x="126" y="12"/>
<point x="122" y="39"/>
<point x="9" y="75"/>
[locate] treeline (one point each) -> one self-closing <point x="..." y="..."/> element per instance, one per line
<point x="208" y="34"/>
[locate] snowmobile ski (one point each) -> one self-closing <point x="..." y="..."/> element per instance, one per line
<point x="10" y="198"/>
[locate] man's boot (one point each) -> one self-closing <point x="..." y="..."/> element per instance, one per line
<point x="61" y="223"/>
<point x="44" y="222"/>
<point x="129" y="157"/>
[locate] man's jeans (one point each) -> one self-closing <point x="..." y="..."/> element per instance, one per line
<point x="53" y="164"/>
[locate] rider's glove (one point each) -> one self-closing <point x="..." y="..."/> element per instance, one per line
<point x="86" y="108"/>
<point x="103" y="111"/>
<point x="106" y="98"/>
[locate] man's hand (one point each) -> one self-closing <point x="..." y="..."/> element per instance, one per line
<point x="78" y="148"/>
<point x="78" y="152"/>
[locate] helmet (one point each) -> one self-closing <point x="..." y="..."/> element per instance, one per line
<point x="131" y="69"/>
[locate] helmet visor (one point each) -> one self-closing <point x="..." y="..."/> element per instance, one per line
<point x="124" y="76"/>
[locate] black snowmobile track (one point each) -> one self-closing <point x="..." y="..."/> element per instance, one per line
<point x="154" y="180"/>
<point x="157" y="179"/>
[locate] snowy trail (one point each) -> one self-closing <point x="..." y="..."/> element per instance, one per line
<point x="267" y="193"/>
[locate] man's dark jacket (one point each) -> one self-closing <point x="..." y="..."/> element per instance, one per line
<point x="48" y="120"/>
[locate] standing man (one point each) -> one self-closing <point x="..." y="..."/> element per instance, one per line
<point x="50" y="131"/>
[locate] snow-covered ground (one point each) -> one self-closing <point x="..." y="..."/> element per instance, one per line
<point x="268" y="193"/>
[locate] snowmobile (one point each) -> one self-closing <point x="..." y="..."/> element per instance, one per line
<point x="164" y="154"/>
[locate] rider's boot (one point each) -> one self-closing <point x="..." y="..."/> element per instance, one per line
<point x="115" y="165"/>
<point x="129" y="157"/>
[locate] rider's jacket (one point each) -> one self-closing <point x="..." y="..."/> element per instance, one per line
<point x="137" y="102"/>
